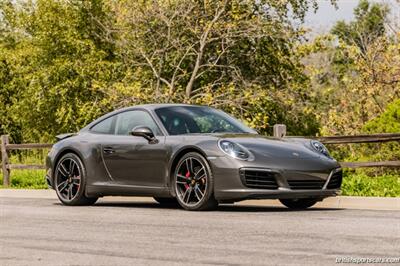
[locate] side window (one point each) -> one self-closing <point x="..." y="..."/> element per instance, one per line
<point x="126" y="121"/>
<point x="104" y="127"/>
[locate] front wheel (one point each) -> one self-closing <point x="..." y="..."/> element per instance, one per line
<point x="70" y="181"/>
<point x="194" y="183"/>
<point x="298" y="204"/>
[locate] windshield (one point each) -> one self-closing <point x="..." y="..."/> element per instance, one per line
<point x="179" y="120"/>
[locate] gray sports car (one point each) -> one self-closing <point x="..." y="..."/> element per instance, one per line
<point x="194" y="156"/>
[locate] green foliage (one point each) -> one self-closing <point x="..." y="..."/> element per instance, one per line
<point x="235" y="55"/>
<point x="31" y="179"/>
<point x="354" y="184"/>
<point x="367" y="186"/>
<point x="368" y="25"/>
<point x="64" y="63"/>
<point x="52" y="68"/>
<point x="354" y="73"/>
<point x="387" y="122"/>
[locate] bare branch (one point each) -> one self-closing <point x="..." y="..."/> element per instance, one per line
<point x="154" y="69"/>
<point x="202" y="44"/>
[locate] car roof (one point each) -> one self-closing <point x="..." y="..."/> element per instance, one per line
<point x="153" y="106"/>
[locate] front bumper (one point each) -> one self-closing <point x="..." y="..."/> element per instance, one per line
<point x="49" y="168"/>
<point x="229" y="183"/>
<point x="49" y="177"/>
<point x="243" y="194"/>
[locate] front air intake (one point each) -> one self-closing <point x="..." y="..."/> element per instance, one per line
<point x="336" y="180"/>
<point x="306" y="184"/>
<point x="258" y="179"/>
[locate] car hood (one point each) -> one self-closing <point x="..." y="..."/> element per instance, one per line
<point x="274" y="147"/>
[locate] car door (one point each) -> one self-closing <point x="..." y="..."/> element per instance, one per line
<point x="132" y="160"/>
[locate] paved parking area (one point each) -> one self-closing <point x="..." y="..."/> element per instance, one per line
<point x="40" y="231"/>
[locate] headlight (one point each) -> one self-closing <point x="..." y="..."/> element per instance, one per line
<point x="319" y="147"/>
<point x="235" y="150"/>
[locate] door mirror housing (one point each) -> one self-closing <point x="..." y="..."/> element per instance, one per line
<point x="145" y="132"/>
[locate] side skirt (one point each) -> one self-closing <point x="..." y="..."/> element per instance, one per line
<point x="100" y="189"/>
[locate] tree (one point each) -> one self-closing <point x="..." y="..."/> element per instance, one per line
<point x="53" y="61"/>
<point x="65" y="62"/>
<point x="190" y="45"/>
<point x="356" y="77"/>
<point x="369" y="24"/>
<point x="231" y="54"/>
<point x="356" y="86"/>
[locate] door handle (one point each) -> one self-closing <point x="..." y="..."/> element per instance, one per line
<point x="108" y="150"/>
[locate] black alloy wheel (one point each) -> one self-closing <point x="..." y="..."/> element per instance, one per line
<point x="70" y="181"/>
<point x="194" y="183"/>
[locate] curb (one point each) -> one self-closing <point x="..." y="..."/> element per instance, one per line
<point x="339" y="202"/>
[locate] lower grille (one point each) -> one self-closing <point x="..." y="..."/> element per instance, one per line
<point x="258" y="179"/>
<point x="336" y="180"/>
<point x="306" y="184"/>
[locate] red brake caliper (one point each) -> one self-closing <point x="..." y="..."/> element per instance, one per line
<point x="78" y="177"/>
<point x="187" y="175"/>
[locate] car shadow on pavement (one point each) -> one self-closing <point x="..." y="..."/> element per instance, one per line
<point x="221" y="208"/>
<point x="253" y="208"/>
<point x="132" y="204"/>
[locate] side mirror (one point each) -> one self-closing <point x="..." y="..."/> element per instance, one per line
<point x="145" y="132"/>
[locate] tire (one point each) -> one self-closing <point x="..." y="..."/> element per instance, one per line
<point x="193" y="183"/>
<point x="298" y="204"/>
<point x="168" y="202"/>
<point x="70" y="181"/>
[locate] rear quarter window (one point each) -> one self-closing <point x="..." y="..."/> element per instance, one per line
<point x="104" y="127"/>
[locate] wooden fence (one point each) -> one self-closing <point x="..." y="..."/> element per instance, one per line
<point x="6" y="166"/>
<point x="279" y="132"/>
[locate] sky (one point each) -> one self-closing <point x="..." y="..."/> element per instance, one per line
<point x="327" y="15"/>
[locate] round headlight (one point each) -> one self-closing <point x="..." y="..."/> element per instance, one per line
<point x="235" y="150"/>
<point x="319" y="147"/>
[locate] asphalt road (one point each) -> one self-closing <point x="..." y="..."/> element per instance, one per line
<point x="35" y="231"/>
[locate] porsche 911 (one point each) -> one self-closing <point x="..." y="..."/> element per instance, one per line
<point x="193" y="156"/>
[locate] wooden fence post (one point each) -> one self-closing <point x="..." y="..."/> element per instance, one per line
<point x="279" y="130"/>
<point x="5" y="161"/>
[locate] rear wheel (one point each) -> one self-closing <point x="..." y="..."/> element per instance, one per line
<point x="298" y="204"/>
<point x="70" y="181"/>
<point x="194" y="183"/>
